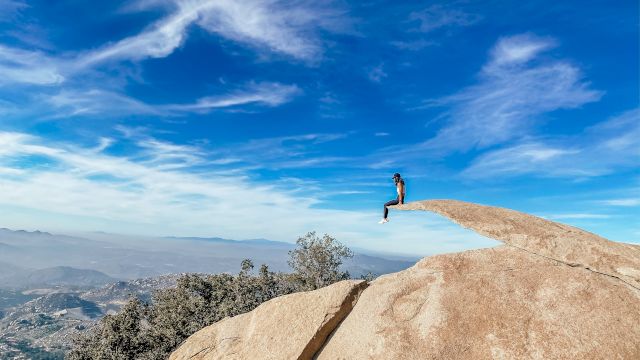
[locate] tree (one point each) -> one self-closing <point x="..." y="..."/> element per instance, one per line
<point x="152" y="331"/>
<point x="316" y="261"/>
<point x="120" y="336"/>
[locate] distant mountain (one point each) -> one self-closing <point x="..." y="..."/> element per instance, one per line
<point x="6" y="247"/>
<point x="362" y="264"/>
<point x="258" y="242"/>
<point x="9" y="273"/>
<point x="65" y="275"/>
<point x="54" y="284"/>
<point x="20" y="278"/>
<point x="53" y="303"/>
<point x="127" y="257"/>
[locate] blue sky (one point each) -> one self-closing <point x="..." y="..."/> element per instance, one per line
<point x="268" y="119"/>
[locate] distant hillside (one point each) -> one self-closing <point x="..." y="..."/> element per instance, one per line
<point x="65" y="275"/>
<point x="46" y="324"/>
<point x="125" y="257"/>
<point x="362" y="264"/>
<point x="9" y="273"/>
<point x="21" y="278"/>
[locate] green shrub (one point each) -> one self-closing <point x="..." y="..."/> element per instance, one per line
<point x="152" y="331"/>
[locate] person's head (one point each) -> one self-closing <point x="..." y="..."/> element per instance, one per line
<point x="396" y="177"/>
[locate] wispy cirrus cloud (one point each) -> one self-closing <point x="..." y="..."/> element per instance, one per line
<point x="86" y="188"/>
<point x="623" y="202"/>
<point x="9" y="8"/>
<point x="288" y="152"/>
<point x="513" y="92"/>
<point x="377" y="73"/>
<point x="440" y="16"/>
<point x="266" y="94"/>
<point x="578" y="216"/>
<point x="281" y="27"/>
<point x="422" y="23"/>
<point x="68" y="103"/>
<point x="72" y="102"/>
<point x="274" y="153"/>
<point x="516" y="87"/>
<point x="28" y="67"/>
<point x="609" y="146"/>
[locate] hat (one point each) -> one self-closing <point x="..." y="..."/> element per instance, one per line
<point x="396" y="175"/>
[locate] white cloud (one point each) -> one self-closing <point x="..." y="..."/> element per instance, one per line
<point x="284" y="27"/>
<point x="610" y="146"/>
<point x="292" y="29"/>
<point x="28" y="67"/>
<point x="440" y="16"/>
<point x="281" y="27"/>
<point x="72" y="188"/>
<point x="286" y="152"/>
<point x="412" y="45"/>
<point x="9" y="8"/>
<point x="69" y="103"/>
<point x="266" y="93"/>
<point x="512" y="93"/>
<point x="527" y="158"/>
<point x="628" y="202"/>
<point x="377" y="73"/>
<point x="579" y="216"/>
<point x="517" y="49"/>
<point x="159" y="40"/>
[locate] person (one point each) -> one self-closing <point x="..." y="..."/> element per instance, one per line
<point x="400" y="188"/>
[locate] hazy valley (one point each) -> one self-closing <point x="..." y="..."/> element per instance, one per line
<point x="54" y="286"/>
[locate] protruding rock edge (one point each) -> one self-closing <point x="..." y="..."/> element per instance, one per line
<point x="578" y="265"/>
<point x="486" y="234"/>
<point x="317" y="342"/>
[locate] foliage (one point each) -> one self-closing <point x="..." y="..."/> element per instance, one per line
<point x="316" y="261"/>
<point x="24" y="348"/>
<point x="152" y="331"/>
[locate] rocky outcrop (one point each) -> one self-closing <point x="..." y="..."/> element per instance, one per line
<point x="293" y="326"/>
<point x="499" y="303"/>
<point x="552" y="291"/>
<point x="563" y="243"/>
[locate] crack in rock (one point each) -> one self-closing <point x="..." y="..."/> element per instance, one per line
<point x="565" y="244"/>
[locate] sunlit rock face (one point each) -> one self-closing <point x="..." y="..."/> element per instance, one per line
<point x="552" y="291"/>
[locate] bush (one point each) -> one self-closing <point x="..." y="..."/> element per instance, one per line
<point x="153" y="331"/>
<point x="316" y="261"/>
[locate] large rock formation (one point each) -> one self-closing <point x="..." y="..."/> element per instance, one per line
<point x="552" y="291"/>
<point x="293" y="326"/>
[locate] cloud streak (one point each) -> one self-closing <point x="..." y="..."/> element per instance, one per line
<point x="164" y="190"/>
<point x="625" y="202"/>
<point x="266" y="94"/>
<point x="70" y="103"/>
<point x="513" y="92"/>
<point x="602" y="149"/>
<point x="28" y="67"/>
<point x="440" y="16"/>
<point x="280" y="27"/>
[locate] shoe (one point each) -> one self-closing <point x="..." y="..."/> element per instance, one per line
<point x="383" y="221"/>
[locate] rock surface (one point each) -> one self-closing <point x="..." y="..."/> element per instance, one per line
<point x="551" y="292"/>
<point x="499" y="303"/>
<point x="564" y="243"/>
<point x="293" y="326"/>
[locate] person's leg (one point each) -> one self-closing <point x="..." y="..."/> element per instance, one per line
<point x="389" y="203"/>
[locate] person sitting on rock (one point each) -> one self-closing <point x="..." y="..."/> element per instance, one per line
<point x="400" y="188"/>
